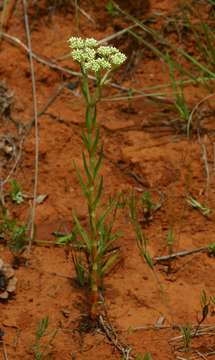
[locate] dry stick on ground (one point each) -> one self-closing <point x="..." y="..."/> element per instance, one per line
<point x="180" y="254"/>
<point x="111" y="335"/>
<point x="205" y="161"/>
<point x="34" y="94"/>
<point x="84" y="13"/>
<point x="204" y="150"/>
<point x="189" y="123"/>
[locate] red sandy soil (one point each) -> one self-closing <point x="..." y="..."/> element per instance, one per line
<point x="142" y="151"/>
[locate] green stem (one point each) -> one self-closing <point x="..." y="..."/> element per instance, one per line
<point x="91" y="128"/>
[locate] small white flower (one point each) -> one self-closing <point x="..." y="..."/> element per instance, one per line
<point x="76" y="42"/>
<point x="90" y="42"/>
<point x="95" y="66"/>
<point x="107" y="50"/>
<point x="83" y="55"/>
<point x="93" y="57"/>
<point x="88" y="54"/>
<point x="118" y="58"/>
<point x="104" y="64"/>
<point x="77" y="55"/>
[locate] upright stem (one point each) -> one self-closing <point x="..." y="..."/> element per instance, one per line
<point x="92" y="185"/>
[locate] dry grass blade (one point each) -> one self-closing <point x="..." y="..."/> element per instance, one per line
<point x="180" y="254"/>
<point x="34" y="94"/>
<point x="190" y="120"/>
<point x="83" y="12"/>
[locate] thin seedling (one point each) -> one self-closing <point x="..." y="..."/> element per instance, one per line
<point x="40" y="348"/>
<point x="186" y="332"/>
<point x="13" y="234"/>
<point x="141" y="238"/>
<point x="211" y="249"/>
<point x="147" y="356"/>
<point x="205" y="307"/>
<point x="16" y="193"/>
<point x="142" y="243"/>
<point x="149" y="207"/>
<point x="178" y="92"/>
<point x="170" y="240"/>
<point x="205" y="211"/>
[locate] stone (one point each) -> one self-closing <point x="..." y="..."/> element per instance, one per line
<point x="8" y="271"/>
<point x="11" y="287"/>
<point x="4" y="295"/>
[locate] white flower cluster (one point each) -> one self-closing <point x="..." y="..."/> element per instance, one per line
<point x="93" y="57"/>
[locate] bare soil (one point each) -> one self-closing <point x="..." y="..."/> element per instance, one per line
<point x="144" y="150"/>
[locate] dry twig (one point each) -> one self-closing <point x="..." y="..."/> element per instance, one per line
<point x="34" y="94"/>
<point x="180" y="254"/>
<point x="106" y="327"/>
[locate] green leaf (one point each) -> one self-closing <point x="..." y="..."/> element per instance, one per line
<point x="109" y="263"/>
<point x="99" y="192"/>
<point x="88" y="119"/>
<point x="83" y="233"/>
<point x="81" y="181"/>
<point x="111" y="8"/>
<point x="170" y="237"/>
<point x="16" y="192"/>
<point x="147" y="356"/>
<point x="63" y="240"/>
<point x="19" y="239"/>
<point x="42" y="327"/>
<point x="98" y="164"/>
<point x="196" y="205"/>
<point x="103" y="216"/>
<point x="95" y="143"/>
<point x="148" y="259"/>
<point x="86" y="141"/>
<point x="79" y="269"/>
<point x="211" y="249"/>
<point x="196" y="62"/>
<point x="86" y="168"/>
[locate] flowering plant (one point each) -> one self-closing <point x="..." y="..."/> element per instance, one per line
<point x="98" y="237"/>
<point x="95" y="58"/>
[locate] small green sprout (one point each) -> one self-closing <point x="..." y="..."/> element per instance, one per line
<point x="186" y="331"/>
<point x="147" y="356"/>
<point x="204" y="305"/>
<point x="205" y="211"/>
<point x="111" y="8"/>
<point x="149" y="207"/>
<point x="19" y="239"/>
<point x="211" y="249"/>
<point x="141" y="239"/>
<point x="42" y="349"/>
<point x="15" y="235"/>
<point x="178" y="92"/>
<point x="16" y="193"/>
<point x="170" y="239"/>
